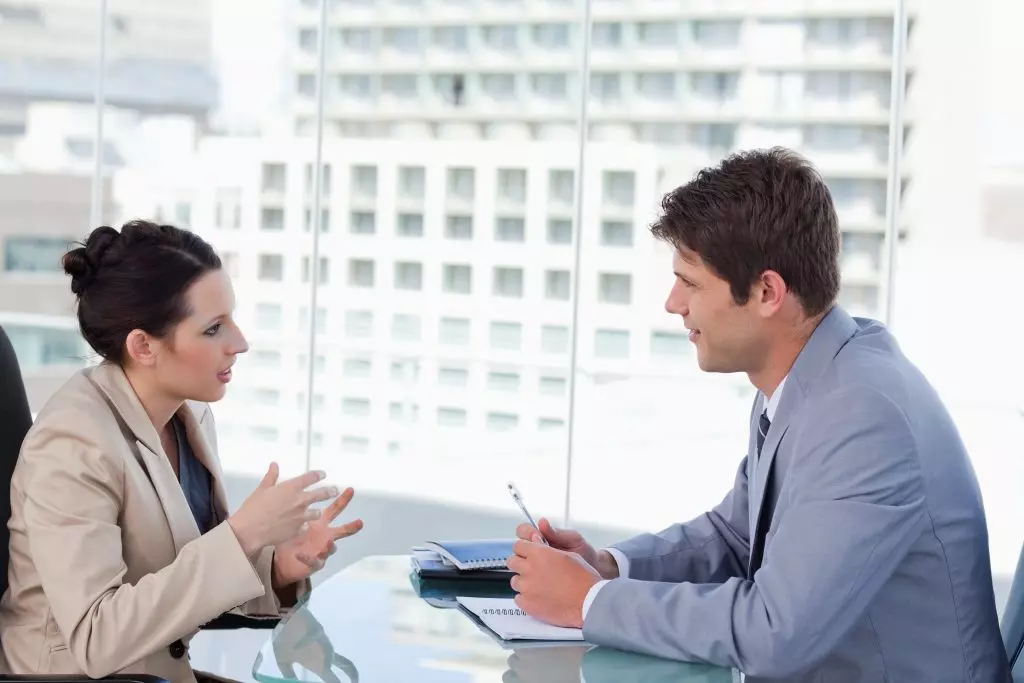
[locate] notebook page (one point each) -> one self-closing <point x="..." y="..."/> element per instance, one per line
<point x="510" y="623"/>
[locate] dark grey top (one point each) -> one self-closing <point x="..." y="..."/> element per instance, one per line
<point x="195" y="480"/>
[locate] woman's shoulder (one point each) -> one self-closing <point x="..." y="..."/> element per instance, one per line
<point x="76" y="411"/>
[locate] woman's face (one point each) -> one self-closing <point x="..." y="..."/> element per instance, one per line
<point x="194" y="361"/>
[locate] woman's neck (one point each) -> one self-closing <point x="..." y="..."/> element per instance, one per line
<point x="159" y="405"/>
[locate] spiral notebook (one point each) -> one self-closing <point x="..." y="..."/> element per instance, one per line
<point x="508" y="622"/>
<point x="470" y="555"/>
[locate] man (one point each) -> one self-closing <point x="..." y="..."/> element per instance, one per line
<point x="853" y="545"/>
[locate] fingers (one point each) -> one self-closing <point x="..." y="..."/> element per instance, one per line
<point x="514" y="583"/>
<point x="516" y="564"/>
<point x="313" y="563"/>
<point x="524" y="548"/>
<point x="312" y="515"/>
<point x="346" y="530"/>
<point x="270" y="478"/>
<point x="525" y="531"/>
<point x="318" y="495"/>
<point x="546" y="528"/>
<point x="304" y="481"/>
<point x="340" y="503"/>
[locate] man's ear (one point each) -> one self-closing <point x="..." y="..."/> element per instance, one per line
<point x="771" y="291"/>
<point x="142" y="348"/>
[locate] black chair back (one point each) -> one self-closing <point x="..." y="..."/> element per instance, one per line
<point x="15" y="420"/>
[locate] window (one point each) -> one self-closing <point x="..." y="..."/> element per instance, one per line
<point x="557" y="285"/>
<point x="459" y="228"/>
<point x="659" y="86"/>
<point x="228" y="211"/>
<point x="266" y="397"/>
<point x="461" y="183"/>
<point x="266" y="359"/>
<point x="409" y="276"/>
<point x="657" y="33"/>
<point x="321" y="363"/>
<point x="453" y="377"/>
<point x="616" y="234"/>
<point x="606" y="87"/>
<point x="323" y="272"/>
<point x="614" y="288"/>
<point x="362" y="223"/>
<point x="502" y="422"/>
<point x="551" y="36"/>
<point x="359" y="40"/>
<point x="509" y="229"/>
<point x="405" y="370"/>
<point x="669" y="344"/>
<point x="503" y="381"/>
<point x="553" y="386"/>
<point x="619" y="187"/>
<point x="502" y="38"/>
<point x="325" y="220"/>
<point x="499" y="87"/>
<point x="318" y="401"/>
<point x="274" y="177"/>
<point x="364" y="181"/>
<point x="360" y="273"/>
<point x="451" y="417"/>
<point x="454" y="331"/>
<point x="402" y="39"/>
<point x="357" y="368"/>
<point x="452" y="38"/>
<point x="508" y="282"/>
<point x="357" y="445"/>
<point x="550" y="423"/>
<point x="321" y="319"/>
<point x="355" y="86"/>
<point x="410" y="225"/>
<point x="458" y="279"/>
<point x="305" y="85"/>
<point x="325" y="180"/>
<point x="606" y="35"/>
<point x="506" y="336"/>
<point x="355" y="407"/>
<point x="559" y="231"/>
<point x="270" y="268"/>
<point x="552" y="87"/>
<point x="512" y="185"/>
<point x="35" y="254"/>
<point x="611" y="344"/>
<point x="554" y="339"/>
<point x="412" y="182"/>
<point x="358" y="324"/>
<point x="269" y="317"/>
<point x="406" y="327"/>
<point x="272" y="219"/>
<point x="561" y="186"/>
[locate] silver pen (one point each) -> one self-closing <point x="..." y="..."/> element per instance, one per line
<point x="519" y="501"/>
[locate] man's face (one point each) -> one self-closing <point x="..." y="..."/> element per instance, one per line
<point x="728" y="336"/>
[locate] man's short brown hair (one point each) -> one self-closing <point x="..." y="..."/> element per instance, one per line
<point x="759" y="210"/>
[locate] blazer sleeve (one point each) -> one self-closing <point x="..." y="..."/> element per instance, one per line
<point x="74" y="494"/>
<point x="708" y="549"/>
<point x="268" y="605"/>
<point x="857" y="506"/>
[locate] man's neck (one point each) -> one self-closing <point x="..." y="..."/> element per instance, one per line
<point x="780" y="359"/>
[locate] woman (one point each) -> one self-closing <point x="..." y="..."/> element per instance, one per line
<point x="121" y="543"/>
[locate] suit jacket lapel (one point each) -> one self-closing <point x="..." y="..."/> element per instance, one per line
<point x="832" y="333"/>
<point x="128" y="410"/>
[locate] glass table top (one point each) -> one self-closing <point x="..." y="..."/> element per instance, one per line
<point x="377" y="621"/>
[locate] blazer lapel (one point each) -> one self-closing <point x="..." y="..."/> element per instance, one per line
<point x="128" y="411"/>
<point x="832" y="333"/>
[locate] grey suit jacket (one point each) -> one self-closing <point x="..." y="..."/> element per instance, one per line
<point x="858" y="553"/>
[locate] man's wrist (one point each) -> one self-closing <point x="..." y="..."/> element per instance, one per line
<point x="607" y="567"/>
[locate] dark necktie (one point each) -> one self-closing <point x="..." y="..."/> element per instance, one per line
<point x="763" y="424"/>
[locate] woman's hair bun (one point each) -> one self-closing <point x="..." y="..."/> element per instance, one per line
<point x="83" y="263"/>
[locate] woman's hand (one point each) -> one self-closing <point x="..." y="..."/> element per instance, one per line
<point x="297" y="559"/>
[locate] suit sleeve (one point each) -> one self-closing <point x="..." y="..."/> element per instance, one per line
<point x="268" y="604"/>
<point x="708" y="549"/>
<point x="74" y="495"/>
<point x="856" y="506"/>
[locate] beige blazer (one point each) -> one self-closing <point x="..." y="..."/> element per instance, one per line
<point x="108" y="571"/>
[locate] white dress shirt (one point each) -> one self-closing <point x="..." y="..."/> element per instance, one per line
<point x="623" y="562"/>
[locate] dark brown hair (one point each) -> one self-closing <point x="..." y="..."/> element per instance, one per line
<point x="759" y="210"/>
<point x="134" y="279"/>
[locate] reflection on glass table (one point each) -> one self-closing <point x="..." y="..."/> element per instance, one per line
<point x="376" y="621"/>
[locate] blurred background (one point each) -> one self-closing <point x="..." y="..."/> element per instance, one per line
<point x="435" y="214"/>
